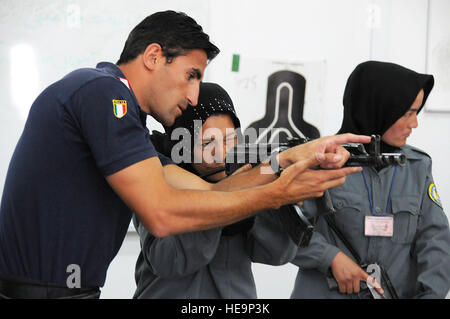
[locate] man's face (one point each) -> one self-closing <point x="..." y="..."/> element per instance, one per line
<point x="217" y="138"/>
<point x="399" y="132"/>
<point x="175" y="85"/>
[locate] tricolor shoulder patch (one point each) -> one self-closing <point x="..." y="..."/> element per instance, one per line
<point x="433" y="194"/>
<point x="120" y="108"/>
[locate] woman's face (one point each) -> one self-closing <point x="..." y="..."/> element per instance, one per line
<point x="218" y="136"/>
<point x="398" y="133"/>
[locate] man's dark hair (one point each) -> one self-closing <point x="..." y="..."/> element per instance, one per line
<point x="175" y="32"/>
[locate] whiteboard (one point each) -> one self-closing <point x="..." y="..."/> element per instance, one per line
<point x="43" y="40"/>
<point x="438" y="55"/>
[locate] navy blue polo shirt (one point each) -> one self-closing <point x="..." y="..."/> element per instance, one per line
<point x="57" y="208"/>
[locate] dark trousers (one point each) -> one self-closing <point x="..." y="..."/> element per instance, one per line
<point x="19" y="290"/>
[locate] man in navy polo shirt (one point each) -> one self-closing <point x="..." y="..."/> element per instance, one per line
<point x="84" y="162"/>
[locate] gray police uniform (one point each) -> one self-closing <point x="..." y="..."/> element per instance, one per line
<point x="416" y="257"/>
<point x="207" y="264"/>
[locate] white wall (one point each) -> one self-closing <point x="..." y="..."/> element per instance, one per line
<point x="343" y="33"/>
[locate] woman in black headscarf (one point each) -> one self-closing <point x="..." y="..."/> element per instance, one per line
<point x="377" y="94"/>
<point x="389" y="219"/>
<point x="214" y="263"/>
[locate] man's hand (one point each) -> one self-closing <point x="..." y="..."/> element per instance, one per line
<point x="326" y="150"/>
<point x="348" y="275"/>
<point x="298" y="182"/>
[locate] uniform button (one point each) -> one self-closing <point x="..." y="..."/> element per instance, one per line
<point x="339" y="204"/>
<point x="378" y="210"/>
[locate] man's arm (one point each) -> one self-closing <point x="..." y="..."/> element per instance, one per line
<point x="166" y="210"/>
<point x="180" y="178"/>
<point x="163" y="209"/>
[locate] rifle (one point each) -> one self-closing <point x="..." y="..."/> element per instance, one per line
<point x="296" y="224"/>
<point x="254" y="154"/>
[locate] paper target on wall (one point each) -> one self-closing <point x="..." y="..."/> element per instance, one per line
<point x="277" y="100"/>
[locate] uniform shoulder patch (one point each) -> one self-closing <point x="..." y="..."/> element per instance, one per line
<point x="119" y="108"/>
<point x="433" y="194"/>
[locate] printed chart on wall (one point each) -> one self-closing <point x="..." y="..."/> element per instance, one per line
<point x="277" y="100"/>
<point x="438" y="55"/>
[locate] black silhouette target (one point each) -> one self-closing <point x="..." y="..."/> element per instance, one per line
<point x="284" y="110"/>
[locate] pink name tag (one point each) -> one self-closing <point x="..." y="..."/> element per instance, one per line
<point x="379" y="226"/>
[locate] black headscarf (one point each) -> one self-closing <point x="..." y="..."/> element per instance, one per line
<point x="212" y="100"/>
<point x="377" y="94"/>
